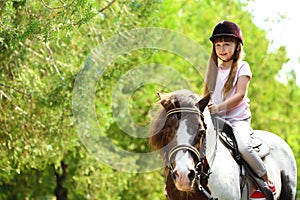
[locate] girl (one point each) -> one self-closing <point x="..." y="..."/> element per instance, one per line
<point x="227" y="82"/>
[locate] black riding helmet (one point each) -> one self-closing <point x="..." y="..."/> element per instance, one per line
<point x="227" y="28"/>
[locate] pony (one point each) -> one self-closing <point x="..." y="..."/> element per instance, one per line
<point x="197" y="163"/>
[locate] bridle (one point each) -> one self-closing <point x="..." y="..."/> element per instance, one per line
<point x="193" y="150"/>
<point x="183" y="147"/>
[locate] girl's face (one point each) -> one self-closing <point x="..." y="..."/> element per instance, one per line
<point x="225" y="49"/>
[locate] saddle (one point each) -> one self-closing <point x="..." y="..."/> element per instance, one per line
<point x="226" y="136"/>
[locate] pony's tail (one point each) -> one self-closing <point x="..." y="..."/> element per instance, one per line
<point x="286" y="190"/>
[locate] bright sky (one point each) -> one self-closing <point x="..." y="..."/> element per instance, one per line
<point x="281" y="19"/>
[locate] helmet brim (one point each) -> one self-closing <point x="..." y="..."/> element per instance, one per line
<point x="225" y="35"/>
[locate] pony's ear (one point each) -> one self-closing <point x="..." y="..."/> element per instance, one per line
<point x="163" y="99"/>
<point x="160" y="95"/>
<point x="203" y="102"/>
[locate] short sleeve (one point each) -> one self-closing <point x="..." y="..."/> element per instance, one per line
<point x="244" y="70"/>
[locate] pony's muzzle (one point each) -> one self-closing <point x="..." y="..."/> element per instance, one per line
<point x="184" y="180"/>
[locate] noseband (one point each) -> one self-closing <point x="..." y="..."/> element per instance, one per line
<point x="184" y="147"/>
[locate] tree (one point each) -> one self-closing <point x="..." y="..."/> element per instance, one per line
<point x="44" y="44"/>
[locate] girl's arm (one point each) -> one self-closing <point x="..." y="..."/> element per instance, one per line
<point x="241" y="90"/>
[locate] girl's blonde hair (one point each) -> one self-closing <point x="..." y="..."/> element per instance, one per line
<point x="212" y="67"/>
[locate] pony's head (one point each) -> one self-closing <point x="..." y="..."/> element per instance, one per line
<point x="177" y="132"/>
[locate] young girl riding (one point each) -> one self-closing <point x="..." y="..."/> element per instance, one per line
<point x="227" y="81"/>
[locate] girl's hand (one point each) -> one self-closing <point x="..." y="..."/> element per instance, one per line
<point x="213" y="109"/>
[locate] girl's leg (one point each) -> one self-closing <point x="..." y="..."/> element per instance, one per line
<point x="242" y="131"/>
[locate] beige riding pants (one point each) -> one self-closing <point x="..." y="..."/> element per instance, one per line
<point x="242" y="131"/>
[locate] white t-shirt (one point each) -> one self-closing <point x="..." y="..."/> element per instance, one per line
<point x="242" y="110"/>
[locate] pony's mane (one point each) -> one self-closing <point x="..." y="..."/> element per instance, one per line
<point x="162" y="129"/>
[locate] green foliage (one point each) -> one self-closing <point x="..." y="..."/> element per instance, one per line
<point x="44" y="44"/>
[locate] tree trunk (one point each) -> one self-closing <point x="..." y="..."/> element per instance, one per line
<point x="60" y="192"/>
